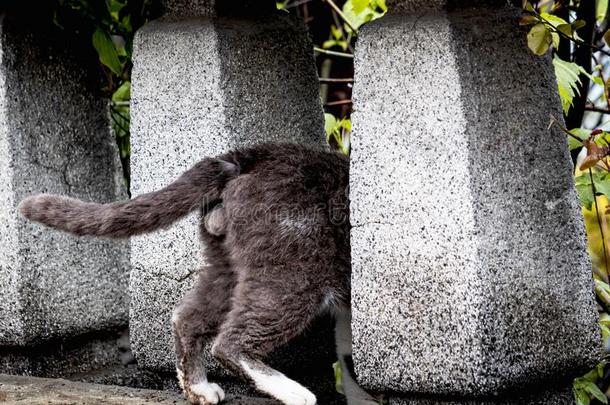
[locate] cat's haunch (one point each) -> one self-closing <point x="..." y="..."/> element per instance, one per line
<point x="275" y="231"/>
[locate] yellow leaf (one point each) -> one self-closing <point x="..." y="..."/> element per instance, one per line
<point x="539" y="39"/>
<point x="607" y="37"/>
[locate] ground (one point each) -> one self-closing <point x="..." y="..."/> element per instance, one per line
<point x="48" y="391"/>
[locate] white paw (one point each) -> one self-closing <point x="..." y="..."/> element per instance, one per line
<point x="207" y="393"/>
<point x="295" y="395"/>
<point x="180" y="375"/>
<point x="278" y="385"/>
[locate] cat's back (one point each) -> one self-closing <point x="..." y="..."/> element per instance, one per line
<point x="290" y="202"/>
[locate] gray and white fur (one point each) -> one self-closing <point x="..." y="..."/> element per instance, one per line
<point x="275" y="232"/>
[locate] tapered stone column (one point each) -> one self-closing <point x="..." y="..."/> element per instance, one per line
<point x="55" y="137"/>
<point x="207" y="79"/>
<point x="470" y="270"/>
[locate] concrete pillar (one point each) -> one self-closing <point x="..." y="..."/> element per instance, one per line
<point x="55" y="137"/>
<point x="470" y="270"/>
<point x="205" y="80"/>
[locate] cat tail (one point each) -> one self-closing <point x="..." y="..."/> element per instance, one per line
<point x="200" y="185"/>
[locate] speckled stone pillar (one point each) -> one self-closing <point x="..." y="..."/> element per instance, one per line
<point x="470" y="270"/>
<point x="208" y="78"/>
<point x="55" y="137"/>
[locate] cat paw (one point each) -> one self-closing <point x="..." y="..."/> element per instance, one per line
<point x="295" y="395"/>
<point x="180" y="375"/>
<point x="205" y="393"/>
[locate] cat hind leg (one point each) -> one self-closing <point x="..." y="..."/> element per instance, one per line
<point x="195" y="322"/>
<point x="268" y="311"/>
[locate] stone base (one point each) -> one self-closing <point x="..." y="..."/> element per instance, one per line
<point x="54" y="359"/>
<point x="559" y="393"/>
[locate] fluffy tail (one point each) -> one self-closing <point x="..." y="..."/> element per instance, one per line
<point x="202" y="184"/>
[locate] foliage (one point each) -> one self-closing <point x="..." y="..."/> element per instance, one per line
<point x="581" y="62"/>
<point x="343" y="32"/>
<point x="111" y="25"/>
<point x="338" y="130"/>
<point x="585" y="387"/>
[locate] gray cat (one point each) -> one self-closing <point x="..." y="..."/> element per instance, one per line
<point x="275" y="230"/>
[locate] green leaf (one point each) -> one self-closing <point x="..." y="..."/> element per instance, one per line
<point x="578" y="24"/>
<point x="553" y="20"/>
<point x="123" y="93"/>
<point x="359" y="5"/>
<point x="594" y="390"/>
<point x="565" y="28"/>
<point x="114" y="8"/>
<point x="582" y="398"/>
<point x="567" y="81"/>
<point x="336" y="32"/>
<point x="584" y="190"/>
<point x="330" y="124"/>
<point x="600" y="369"/>
<point x="346" y="124"/>
<point x="281" y="5"/>
<point x="556" y="39"/>
<point x="365" y="15"/>
<point x="607" y="37"/>
<point x="601" y="9"/>
<point x="602" y="183"/>
<point x="106" y="51"/>
<point x="539" y="39"/>
<point x="580" y="133"/>
<point x="338" y="377"/>
<point x="381" y="5"/>
<point x="604" y="295"/>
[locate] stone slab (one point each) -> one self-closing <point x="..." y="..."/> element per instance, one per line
<point x="468" y="250"/>
<point x="199" y="89"/>
<point x="39" y="391"/>
<point x="55" y="137"/>
<point x="556" y="393"/>
<point x="45" y="391"/>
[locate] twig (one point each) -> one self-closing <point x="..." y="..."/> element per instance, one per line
<point x="343" y="16"/>
<point x="121" y="103"/>
<point x="591" y="107"/>
<point x="333" y="53"/>
<point x="576" y="41"/>
<point x="554" y="121"/>
<point x="125" y="117"/>
<point x="340" y="102"/>
<point x="334" y="80"/>
<point x="599" y="221"/>
<point x="116" y="122"/>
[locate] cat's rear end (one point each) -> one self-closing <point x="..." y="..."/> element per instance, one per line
<point x="279" y="250"/>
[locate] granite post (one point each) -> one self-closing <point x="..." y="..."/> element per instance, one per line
<point x="55" y="137"/>
<point x="470" y="271"/>
<point x="208" y="78"/>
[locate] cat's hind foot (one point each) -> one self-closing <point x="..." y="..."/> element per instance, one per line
<point x="204" y="393"/>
